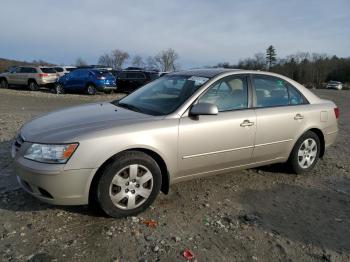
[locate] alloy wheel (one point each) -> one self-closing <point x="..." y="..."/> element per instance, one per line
<point x="307" y="153"/>
<point x="131" y="187"/>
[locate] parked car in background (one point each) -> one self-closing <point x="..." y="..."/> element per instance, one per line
<point x="30" y="76"/>
<point x="100" y="67"/>
<point x="86" y="80"/>
<point x="334" y="85"/>
<point x="130" y="80"/>
<point x="63" y="70"/>
<point x="119" y="155"/>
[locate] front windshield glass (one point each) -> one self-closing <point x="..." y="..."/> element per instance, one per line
<point x="162" y="96"/>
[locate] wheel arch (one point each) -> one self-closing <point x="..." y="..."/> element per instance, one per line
<point x="320" y="135"/>
<point x="31" y="80"/>
<point x="90" y="83"/>
<point x="160" y="161"/>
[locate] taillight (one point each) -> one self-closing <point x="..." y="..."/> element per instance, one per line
<point x="43" y="75"/>
<point x="336" y="112"/>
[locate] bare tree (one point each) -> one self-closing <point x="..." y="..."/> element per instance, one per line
<point x="105" y="60"/>
<point x="166" y="60"/>
<point x="80" y="62"/>
<point x="259" y="61"/>
<point x="119" y="58"/>
<point x="137" y="61"/>
<point x="151" y="63"/>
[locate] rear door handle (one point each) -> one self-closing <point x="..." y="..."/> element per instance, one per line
<point x="298" y="117"/>
<point x="246" y="123"/>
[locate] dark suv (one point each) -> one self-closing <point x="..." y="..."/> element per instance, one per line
<point x="130" y="80"/>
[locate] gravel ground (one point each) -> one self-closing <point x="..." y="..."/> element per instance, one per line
<point x="264" y="214"/>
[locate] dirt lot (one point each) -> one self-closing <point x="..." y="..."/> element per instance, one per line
<point x="264" y="214"/>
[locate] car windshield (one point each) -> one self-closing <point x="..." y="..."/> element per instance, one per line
<point x="48" y="70"/>
<point x="162" y="96"/>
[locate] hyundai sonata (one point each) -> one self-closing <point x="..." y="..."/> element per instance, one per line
<point x="184" y="125"/>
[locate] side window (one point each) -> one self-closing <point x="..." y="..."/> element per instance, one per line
<point x="270" y="91"/>
<point x="23" y="70"/>
<point x="122" y="75"/>
<point x="228" y="94"/>
<point x="295" y="97"/>
<point x="32" y="70"/>
<point x="84" y="73"/>
<point x="74" y="73"/>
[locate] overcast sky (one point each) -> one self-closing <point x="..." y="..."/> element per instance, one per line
<point x="202" y="32"/>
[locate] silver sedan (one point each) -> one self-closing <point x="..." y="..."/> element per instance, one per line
<point x="120" y="155"/>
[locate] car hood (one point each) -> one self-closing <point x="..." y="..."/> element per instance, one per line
<point x="69" y="125"/>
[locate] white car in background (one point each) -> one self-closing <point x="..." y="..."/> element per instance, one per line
<point x="63" y="70"/>
<point x="334" y="85"/>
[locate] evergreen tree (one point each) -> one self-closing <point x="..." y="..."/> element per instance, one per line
<point x="270" y="56"/>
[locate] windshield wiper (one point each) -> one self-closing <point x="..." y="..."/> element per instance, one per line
<point x="128" y="106"/>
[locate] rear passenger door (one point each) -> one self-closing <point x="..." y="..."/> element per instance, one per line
<point x="23" y="75"/>
<point x="81" y="80"/>
<point x="279" y="109"/>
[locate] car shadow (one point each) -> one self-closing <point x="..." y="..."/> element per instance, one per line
<point x="276" y="168"/>
<point x="306" y="215"/>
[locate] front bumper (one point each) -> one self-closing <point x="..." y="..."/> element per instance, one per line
<point x="52" y="184"/>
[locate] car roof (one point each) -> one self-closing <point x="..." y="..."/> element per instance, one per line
<point x="209" y="73"/>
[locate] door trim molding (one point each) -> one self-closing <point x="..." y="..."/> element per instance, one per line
<point x="217" y="152"/>
<point x="235" y="149"/>
<point x="276" y="142"/>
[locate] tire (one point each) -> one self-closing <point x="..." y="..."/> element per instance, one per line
<point x="91" y="90"/>
<point x="33" y="86"/>
<point x="59" y="89"/>
<point x="4" y="84"/>
<point x="305" y="153"/>
<point x="133" y="180"/>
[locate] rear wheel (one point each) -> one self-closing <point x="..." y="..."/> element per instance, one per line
<point x="33" y="86"/>
<point x="129" y="185"/>
<point x="4" y="84"/>
<point x="91" y="90"/>
<point x="305" y="153"/>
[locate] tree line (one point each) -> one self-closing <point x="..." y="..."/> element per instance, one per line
<point x="165" y="60"/>
<point x="310" y="69"/>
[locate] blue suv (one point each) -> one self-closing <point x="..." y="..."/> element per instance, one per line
<point x="86" y="80"/>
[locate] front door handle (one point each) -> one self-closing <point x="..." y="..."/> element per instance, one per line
<point x="298" y="117"/>
<point x="246" y="123"/>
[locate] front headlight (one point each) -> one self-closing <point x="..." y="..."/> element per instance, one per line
<point x="58" y="154"/>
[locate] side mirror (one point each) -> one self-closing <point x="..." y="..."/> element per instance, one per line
<point x="203" y="109"/>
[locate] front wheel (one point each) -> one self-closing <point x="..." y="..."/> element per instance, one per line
<point x="129" y="185"/>
<point x="305" y="153"/>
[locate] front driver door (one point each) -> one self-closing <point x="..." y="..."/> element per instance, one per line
<point x="218" y="142"/>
